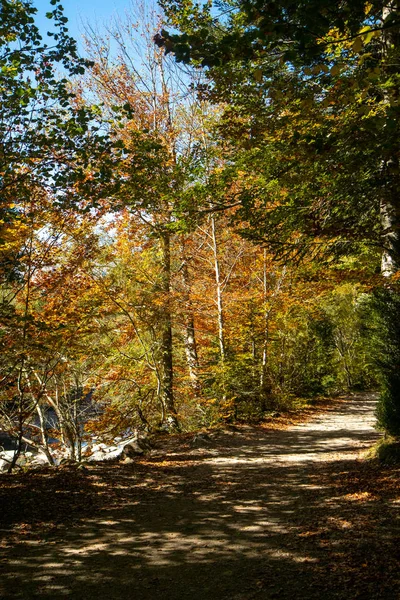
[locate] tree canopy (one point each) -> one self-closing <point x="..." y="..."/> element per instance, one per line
<point x="187" y="244"/>
<point x="311" y="92"/>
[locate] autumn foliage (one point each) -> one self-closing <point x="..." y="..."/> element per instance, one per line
<point x="206" y="261"/>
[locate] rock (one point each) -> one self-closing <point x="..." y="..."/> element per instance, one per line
<point x="3" y="465"/>
<point x="99" y="448"/>
<point x="138" y="445"/>
<point x="144" y="443"/>
<point x="7" y="455"/>
<point x="114" y="454"/>
<point x="134" y="446"/>
<point x="39" y="460"/>
<point x="133" y="449"/>
<point x="111" y="449"/>
<point x="128" y="440"/>
<point x="97" y="456"/>
<point x="105" y="456"/>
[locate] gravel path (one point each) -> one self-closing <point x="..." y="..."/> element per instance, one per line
<point x="253" y="514"/>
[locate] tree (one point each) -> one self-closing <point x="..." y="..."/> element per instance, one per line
<point x="47" y="308"/>
<point x="53" y="151"/>
<point x="154" y="171"/>
<point x="46" y="138"/>
<point x="313" y="118"/>
<point x="322" y="79"/>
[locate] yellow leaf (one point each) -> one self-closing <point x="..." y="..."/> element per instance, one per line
<point x="368" y="8"/>
<point x="368" y="37"/>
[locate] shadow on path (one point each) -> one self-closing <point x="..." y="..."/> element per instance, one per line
<point x="263" y="514"/>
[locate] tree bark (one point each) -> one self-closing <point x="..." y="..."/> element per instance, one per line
<point x="167" y="393"/>
<point x="264" y="362"/>
<point x="390" y="201"/>
<point x="218" y="283"/>
<point x="44" y="436"/>
<point x="390" y="219"/>
<point x="190" y="332"/>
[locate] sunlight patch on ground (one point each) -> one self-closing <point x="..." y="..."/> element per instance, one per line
<point x="360" y="496"/>
<point x="97" y="547"/>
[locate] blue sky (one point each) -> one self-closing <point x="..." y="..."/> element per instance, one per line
<point x="78" y="11"/>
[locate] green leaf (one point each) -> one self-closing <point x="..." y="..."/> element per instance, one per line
<point x="357" y="45"/>
<point x="258" y="74"/>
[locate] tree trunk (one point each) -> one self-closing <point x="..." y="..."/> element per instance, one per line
<point x="265" y="385"/>
<point x="390" y="201"/>
<point x="167" y="394"/>
<point x="18" y="449"/>
<point x="218" y="282"/>
<point x="44" y="436"/>
<point x="390" y="223"/>
<point x="264" y="363"/>
<point x="21" y="413"/>
<point x="189" y="333"/>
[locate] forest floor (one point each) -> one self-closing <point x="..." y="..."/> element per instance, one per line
<point x="257" y="512"/>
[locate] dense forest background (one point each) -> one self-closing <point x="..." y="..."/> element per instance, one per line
<point x="199" y="219"/>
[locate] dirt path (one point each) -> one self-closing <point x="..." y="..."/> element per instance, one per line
<point x="254" y="514"/>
